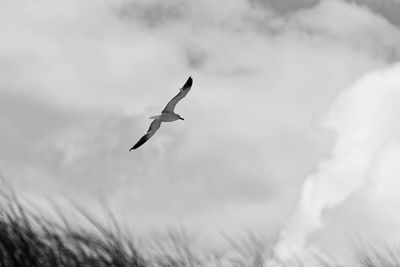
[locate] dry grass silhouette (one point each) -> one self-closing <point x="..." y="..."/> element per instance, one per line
<point x="28" y="239"/>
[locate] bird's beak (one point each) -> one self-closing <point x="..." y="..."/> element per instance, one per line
<point x="182" y="119"/>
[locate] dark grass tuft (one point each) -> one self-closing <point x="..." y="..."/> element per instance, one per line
<point x="27" y="239"/>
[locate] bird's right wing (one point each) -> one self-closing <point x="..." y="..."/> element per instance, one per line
<point x="150" y="132"/>
<point x="182" y="93"/>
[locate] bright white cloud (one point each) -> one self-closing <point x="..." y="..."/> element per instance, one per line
<point x="362" y="161"/>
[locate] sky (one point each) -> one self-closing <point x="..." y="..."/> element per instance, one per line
<point x="290" y="127"/>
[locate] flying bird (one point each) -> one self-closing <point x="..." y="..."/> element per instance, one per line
<point x="167" y="115"/>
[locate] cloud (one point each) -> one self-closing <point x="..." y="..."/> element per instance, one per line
<point x="285" y="6"/>
<point x="358" y="27"/>
<point x="389" y="9"/>
<point x="362" y="161"/>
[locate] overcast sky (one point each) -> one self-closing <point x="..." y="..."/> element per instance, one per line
<point x="291" y="126"/>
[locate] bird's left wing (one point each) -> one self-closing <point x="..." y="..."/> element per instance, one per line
<point x="150" y="132"/>
<point x="182" y="93"/>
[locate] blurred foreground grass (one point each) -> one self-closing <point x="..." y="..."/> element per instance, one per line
<point x="30" y="239"/>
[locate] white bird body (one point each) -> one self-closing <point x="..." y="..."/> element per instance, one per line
<point x="167" y="115"/>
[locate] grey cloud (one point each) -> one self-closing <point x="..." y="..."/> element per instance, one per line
<point x="363" y="27"/>
<point x="34" y="133"/>
<point x="156" y="13"/>
<point x="196" y="57"/>
<point x="284" y="6"/>
<point x="390" y="9"/>
<point x="26" y="121"/>
<point x="159" y="13"/>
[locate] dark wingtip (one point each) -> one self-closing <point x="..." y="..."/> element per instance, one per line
<point x="138" y="144"/>
<point x="141" y="141"/>
<point x="188" y="83"/>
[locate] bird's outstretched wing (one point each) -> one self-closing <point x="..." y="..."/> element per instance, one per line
<point x="150" y="132"/>
<point x="182" y="93"/>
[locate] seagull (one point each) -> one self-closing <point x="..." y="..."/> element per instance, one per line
<point x="167" y="115"/>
